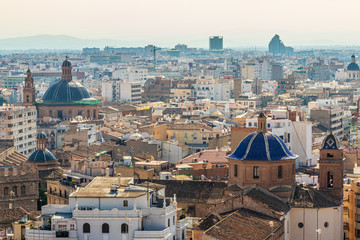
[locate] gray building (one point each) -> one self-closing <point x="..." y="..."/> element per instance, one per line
<point x="332" y="119"/>
<point x="216" y="43"/>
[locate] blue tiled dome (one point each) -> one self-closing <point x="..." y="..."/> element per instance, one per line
<point x="262" y="146"/>
<point x="41" y="156"/>
<point x="41" y="135"/>
<point x="353" y="67"/>
<point x="331" y="142"/>
<point x="66" y="91"/>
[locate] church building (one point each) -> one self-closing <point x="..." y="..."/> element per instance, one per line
<point x="65" y="99"/>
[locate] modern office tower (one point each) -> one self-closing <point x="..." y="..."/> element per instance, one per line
<point x="216" y="43"/>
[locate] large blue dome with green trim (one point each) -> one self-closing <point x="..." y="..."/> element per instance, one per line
<point x="66" y="91"/>
<point x="262" y="146"/>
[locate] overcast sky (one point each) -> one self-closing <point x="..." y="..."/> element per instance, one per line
<point x="242" y="23"/>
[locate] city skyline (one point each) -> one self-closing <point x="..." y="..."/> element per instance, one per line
<point x="188" y="22"/>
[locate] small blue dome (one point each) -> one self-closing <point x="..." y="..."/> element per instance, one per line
<point x="331" y="142"/>
<point x="353" y="67"/>
<point x="66" y="63"/>
<point x="262" y="146"/>
<point x="41" y="135"/>
<point x="41" y="156"/>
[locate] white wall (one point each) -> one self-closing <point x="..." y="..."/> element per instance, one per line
<point x="314" y="219"/>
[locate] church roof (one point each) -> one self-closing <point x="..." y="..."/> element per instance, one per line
<point x="41" y="135"/>
<point x="262" y="146"/>
<point x="304" y="196"/>
<point x="66" y="63"/>
<point x="353" y="67"/>
<point x="331" y="142"/>
<point x="66" y="91"/>
<point x="41" y="156"/>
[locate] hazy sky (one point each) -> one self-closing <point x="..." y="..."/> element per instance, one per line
<point x="242" y="23"/>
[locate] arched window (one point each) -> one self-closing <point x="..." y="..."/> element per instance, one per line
<point x="105" y="228"/>
<point x="173" y="220"/>
<point x="14" y="189"/>
<point x="60" y="193"/>
<point x="6" y="191"/>
<point x="27" y="98"/>
<point x="330" y="180"/>
<point x="169" y="222"/>
<point x="50" y="190"/>
<point x="65" y="195"/>
<point x="88" y="113"/>
<point x="235" y="170"/>
<point x="124" y="228"/>
<point x="86" y="228"/>
<point x="50" y="113"/>
<point x="23" y="190"/>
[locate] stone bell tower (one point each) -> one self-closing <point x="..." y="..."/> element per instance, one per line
<point x="29" y="90"/>
<point x="331" y="167"/>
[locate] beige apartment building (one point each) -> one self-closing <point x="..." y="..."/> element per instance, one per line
<point x="18" y="123"/>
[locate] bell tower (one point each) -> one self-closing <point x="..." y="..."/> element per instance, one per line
<point x="29" y="90"/>
<point x="66" y="70"/>
<point x="331" y="167"/>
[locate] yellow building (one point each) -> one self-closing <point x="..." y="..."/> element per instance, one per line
<point x="352" y="210"/>
<point x="193" y="133"/>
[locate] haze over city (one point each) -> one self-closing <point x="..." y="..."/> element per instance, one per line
<point x="179" y="120"/>
<point x="166" y="23"/>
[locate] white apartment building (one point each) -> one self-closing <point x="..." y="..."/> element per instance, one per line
<point x="18" y="123"/>
<point x="131" y="74"/>
<point x="213" y="90"/>
<point x="113" y="208"/>
<point x="121" y="90"/>
<point x="297" y="135"/>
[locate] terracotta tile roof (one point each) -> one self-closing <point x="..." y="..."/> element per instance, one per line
<point x="243" y="224"/>
<point x="8" y="216"/>
<point x="212" y="156"/>
<point x="304" y="196"/>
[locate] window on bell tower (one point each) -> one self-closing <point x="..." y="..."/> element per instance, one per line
<point x="330" y="180"/>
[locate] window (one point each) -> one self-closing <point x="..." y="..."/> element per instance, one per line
<point x="173" y="220"/>
<point x="72" y="227"/>
<point x="62" y="227"/>
<point x="357" y="218"/>
<point x="6" y="191"/>
<point x="126" y="203"/>
<point x="183" y="235"/>
<point x="105" y="228"/>
<point x="300" y="225"/>
<point x="23" y="190"/>
<point x="358" y="203"/>
<point x="358" y="233"/>
<point x="326" y="224"/>
<point x="169" y="222"/>
<point x="330" y="180"/>
<point x="124" y="228"/>
<point x="329" y="155"/>
<point x="86" y="228"/>
<point x="280" y="171"/>
<point x="256" y="172"/>
<point x="235" y="170"/>
<point x="14" y="190"/>
<point x="288" y="137"/>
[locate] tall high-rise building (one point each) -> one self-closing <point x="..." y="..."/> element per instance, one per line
<point x="216" y="43"/>
<point x="276" y="46"/>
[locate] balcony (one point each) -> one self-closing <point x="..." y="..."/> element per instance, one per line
<point x="181" y="224"/>
<point x="34" y="234"/>
<point x="162" y="234"/>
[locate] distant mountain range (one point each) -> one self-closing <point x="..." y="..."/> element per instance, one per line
<point x="56" y="42"/>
